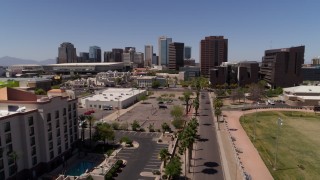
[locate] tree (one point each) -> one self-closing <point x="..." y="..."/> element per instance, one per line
<point x="217" y="103"/>
<point x="40" y="92"/>
<point x="135" y="125"/>
<point x="217" y="113"/>
<point x="176" y="112"/>
<point x="237" y="94"/>
<point x="82" y="119"/>
<point x="186" y="97"/>
<point x="14" y="156"/>
<point x="143" y="98"/>
<point x="164" y="155"/>
<point x="256" y="92"/>
<point x="173" y="168"/>
<point x="104" y="132"/>
<point x="165" y="127"/>
<point x="196" y="105"/>
<point x="178" y="123"/>
<point x="155" y="84"/>
<point x="91" y="120"/>
<point x="151" y="127"/>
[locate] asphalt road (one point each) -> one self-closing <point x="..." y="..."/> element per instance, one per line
<point x="206" y="163"/>
<point x="142" y="159"/>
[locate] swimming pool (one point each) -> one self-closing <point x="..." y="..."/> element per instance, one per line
<point x="79" y="168"/>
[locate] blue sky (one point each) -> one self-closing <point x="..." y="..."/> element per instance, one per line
<point x="34" y="29"/>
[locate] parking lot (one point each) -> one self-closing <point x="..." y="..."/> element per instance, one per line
<point x="148" y="112"/>
<point x="142" y="159"/>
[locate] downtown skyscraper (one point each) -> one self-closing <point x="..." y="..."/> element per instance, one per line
<point x="163" y="44"/>
<point x="67" y="53"/>
<point x="148" y="54"/>
<point x="213" y="51"/>
<point x="95" y="54"/>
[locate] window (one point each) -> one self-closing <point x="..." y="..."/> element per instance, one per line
<point x="8" y="138"/>
<point x="30" y="120"/>
<point x="33" y="151"/>
<point x="49" y="136"/>
<point x="64" y="111"/>
<point x="31" y="131"/>
<point x="9" y="149"/>
<point x="7" y="127"/>
<point x="12" y="170"/>
<point x="50" y="145"/>
<point x="74" y="114"/>
<point x="65" y="129"/>
<point x="66" y="145"/>
<point x="69" y="107"/>
<point x="59" y="141"/>
<point x="32" y="141"/>
<point x="74" y="105"/>
<point x="51" y="155"/>
<point x="2" y="175"/>
<point x="70" y="130"/>
<point x="58" y="132"/>
<point x="66" y="137"/>
<point x="59" y="150"/>
<point x="57" y="114"/>
<point x="10" y="160"/>
<point x="64" y="120"/>
<point x="70" y="123"/>
<point x="70" y="115"/>
<point x="75" y="121"/>
<point x="57" y="123"/>
<point x="49" y="127"/>
<point x="34" y="160"/>
<point x="1" y="165"/>
<point x="48" y="117"/>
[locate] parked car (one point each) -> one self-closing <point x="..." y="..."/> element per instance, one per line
<point x="271" y="102"/>
<point x="107" y="107"/>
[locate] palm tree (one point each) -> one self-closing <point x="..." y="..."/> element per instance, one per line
<point x="164" y="155"/>
<point x="82" y="119"/>
<point x="91" y="119"/>
<point x="186" y="97"/>
<point x="217" y="113"/>
<point x="196" y="105"/>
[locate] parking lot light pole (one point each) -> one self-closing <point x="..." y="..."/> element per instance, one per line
<point x="279" y="122"/>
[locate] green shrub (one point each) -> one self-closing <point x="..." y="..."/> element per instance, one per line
<point x="164" y="176"/>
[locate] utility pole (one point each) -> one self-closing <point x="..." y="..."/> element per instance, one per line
<point x="279" y="122"/>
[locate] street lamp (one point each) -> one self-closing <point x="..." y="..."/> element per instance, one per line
<point x="279" y="122"/>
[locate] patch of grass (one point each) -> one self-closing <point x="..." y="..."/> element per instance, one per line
<point x="298" y="151"/>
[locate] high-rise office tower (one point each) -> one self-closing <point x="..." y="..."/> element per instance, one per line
<point x="117" y="55"/>
<point x="148" y="53"/>
<point x="213" y="51"/>
<point x="163" y="44"/>
<point x="67" y="53"/>
<point x="187" y="52"/>
<point x="107" y="56"/>
<point x="282" y="67"/>
<point x="176" y="54"/>
<point x="139" y="59"/>
<point x="127" y="49"/>
<point x="84" y="57"/>
<point x="155" y="59"/>
<point x="95" y="54"/>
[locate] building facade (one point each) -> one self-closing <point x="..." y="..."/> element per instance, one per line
<point x="311" y="73"/>
<point x="117" y="55"/>
<point x="107" y="56"/>
<point x="42" y="132"/>
<point x="187" y="52"/>
<point x="66" y="53"/>
<point x="148" y="54"/>
<point x="282" y="67"/>
<point x="83" y="57"/>
<point x="155" y="59"/>
<point x="213" y="51"/>
<point x="95" y="54"/>
<point x="176" y="54"/>
<point x="163" y="45"/>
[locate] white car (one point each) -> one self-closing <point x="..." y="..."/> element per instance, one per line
<point x="271" y="102"/>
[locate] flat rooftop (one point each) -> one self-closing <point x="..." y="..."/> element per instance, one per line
<point x="114" y="94"/>
<point x="303" y="89"/>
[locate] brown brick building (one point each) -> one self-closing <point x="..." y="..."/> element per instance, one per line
<point x="282" y="67"/>
<point x="213" y="51"/>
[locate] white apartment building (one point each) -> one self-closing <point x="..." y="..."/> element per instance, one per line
<point x="37" y="133"/>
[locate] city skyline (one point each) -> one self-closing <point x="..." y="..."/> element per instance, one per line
<point x="34" y="30"/>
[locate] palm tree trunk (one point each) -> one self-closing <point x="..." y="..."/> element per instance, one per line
<point x="218" y="122"/>
<point x="90" y="133"/>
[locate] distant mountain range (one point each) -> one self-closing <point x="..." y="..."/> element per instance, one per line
<point x="8" y="61"/>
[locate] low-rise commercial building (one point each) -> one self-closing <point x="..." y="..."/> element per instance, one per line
<point x="302" y="95"/>
<point x="40" y="130"/>
<point x="116" y="97"/>
<point x="146" y="81"/>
